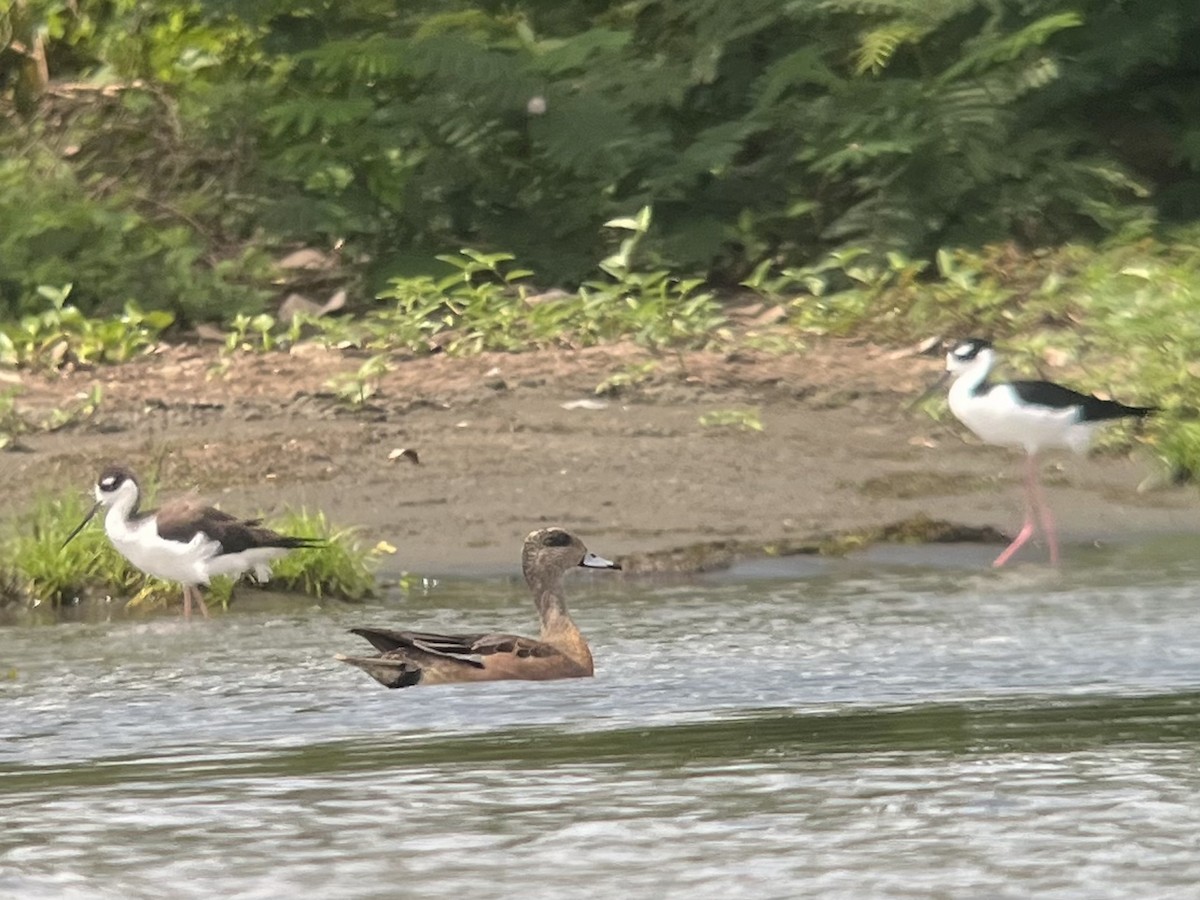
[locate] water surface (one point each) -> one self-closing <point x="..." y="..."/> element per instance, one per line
<point x="905" y="724"/>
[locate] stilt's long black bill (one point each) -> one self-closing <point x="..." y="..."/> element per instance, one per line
<point x="929" y="391"/>
<point x="79" y="527"/>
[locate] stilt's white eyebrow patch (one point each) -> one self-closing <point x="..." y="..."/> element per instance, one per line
<point x="968" y="350"/>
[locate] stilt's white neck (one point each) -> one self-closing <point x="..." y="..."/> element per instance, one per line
<point x="971" y="374"/>
<point x="122" y="505"/>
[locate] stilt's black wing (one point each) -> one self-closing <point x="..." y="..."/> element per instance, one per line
<point x="1092" y="409"/>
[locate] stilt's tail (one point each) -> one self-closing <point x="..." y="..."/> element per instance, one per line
<point x="1097" y="410"/>
<point x="296" y="543"/>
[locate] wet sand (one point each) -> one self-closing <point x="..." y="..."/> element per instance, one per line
<point x="500" y="454"/>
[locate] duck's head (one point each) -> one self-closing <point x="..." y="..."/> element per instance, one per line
<point x="558" y="550"/>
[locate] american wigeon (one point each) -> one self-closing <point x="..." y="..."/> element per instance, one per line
<point x="408" y="658"/>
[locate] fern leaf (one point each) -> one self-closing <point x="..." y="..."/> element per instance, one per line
<point x="578" y="51"/>
<point x="803" y="67"/>
<point x="990" y="51"/>
<point x="877" y="47"/>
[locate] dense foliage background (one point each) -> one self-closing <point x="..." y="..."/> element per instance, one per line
<point x="161" y="151"/>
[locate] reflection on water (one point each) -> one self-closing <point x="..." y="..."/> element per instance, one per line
<point x="870" y="727"/>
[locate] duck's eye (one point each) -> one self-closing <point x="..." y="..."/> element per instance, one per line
<point x="557" y="538"/>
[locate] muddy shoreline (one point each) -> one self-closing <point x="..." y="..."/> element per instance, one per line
<point x="505" y="447"/>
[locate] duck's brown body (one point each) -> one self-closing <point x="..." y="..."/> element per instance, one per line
<point x="408" y="658"/>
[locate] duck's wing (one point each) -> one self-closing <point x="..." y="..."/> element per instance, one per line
<point x="386" y="640"/>
<point x="408" y="658"/>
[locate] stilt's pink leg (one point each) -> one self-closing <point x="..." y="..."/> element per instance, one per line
<point x="1022" y="536"/>
<point x="1029" y="525"/>
<point x="190" y="593"/>
<point x="1043" y="511"/>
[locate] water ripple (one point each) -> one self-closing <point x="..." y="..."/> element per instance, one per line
<point x="866" y="730"/>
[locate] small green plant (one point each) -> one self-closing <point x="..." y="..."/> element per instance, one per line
<point x="249" y="333"/>
<point x="357" y="387"/>
<point x="739" y="419"/>
<point x="84" y="407"/>
<point x="14" y="422"/>
<point x="630" y="376"/>
<point x="655" y="308"/>
<point x="838" y="293"/>
<point x="480" y="306"/>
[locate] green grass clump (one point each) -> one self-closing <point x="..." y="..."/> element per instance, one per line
<point x="340" y="567"/>
<point x="42" y="570"/>
<point x="35" y="567"/>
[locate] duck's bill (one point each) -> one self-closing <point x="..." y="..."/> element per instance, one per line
<point x="930" y="391"/>
<point x="592" y="561"/>
<point x="79" y="527"/>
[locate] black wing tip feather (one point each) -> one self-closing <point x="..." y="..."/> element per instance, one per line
<point x="299" y="543"/>
<point x="1099" y="410"/>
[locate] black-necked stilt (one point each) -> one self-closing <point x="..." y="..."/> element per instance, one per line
<point x="1033" y="415"/>
<point x="184" y="540"/>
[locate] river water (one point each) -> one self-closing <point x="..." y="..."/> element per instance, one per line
<point x="903" y="724"/>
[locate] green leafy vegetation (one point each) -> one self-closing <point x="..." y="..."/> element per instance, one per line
<point x="44" y="571"/>
<point x="167" y="147"/>
<point x="896" y="168"/>
<point x="36" y="568"/>
<point x="63" y="334"/>
<point x="483" y="306"/>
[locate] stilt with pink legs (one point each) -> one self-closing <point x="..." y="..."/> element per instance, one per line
<point x="1031" y="415"/>
<point x="184" y="541"/>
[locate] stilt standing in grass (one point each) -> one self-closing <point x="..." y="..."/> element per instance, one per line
<point x="184" y="541"/>
<point x="1033" y="415"/>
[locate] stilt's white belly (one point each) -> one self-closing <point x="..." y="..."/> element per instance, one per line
<point x="999" y="418"/>
<point x="168" y="560"/>
<point x="256" y="559"/>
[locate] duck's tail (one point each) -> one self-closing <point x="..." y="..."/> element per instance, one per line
<point x="391" y="673"/>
